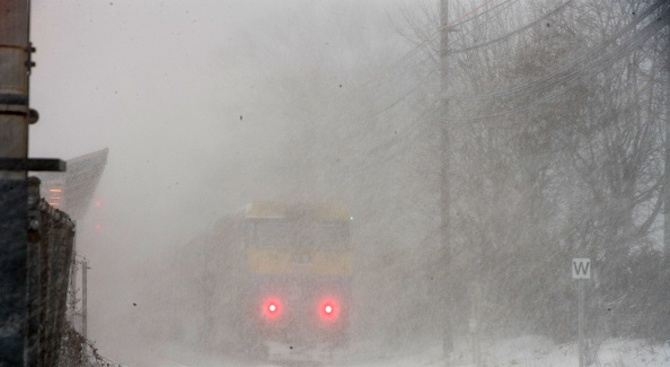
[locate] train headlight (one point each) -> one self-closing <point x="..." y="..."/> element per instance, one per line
<point x="272" y="308"/>
<point x="329" y="309"/>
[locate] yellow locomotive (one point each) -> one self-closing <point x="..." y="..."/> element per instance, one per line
<point x="282" y="279"/>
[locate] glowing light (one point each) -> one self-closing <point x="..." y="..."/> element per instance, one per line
<point x="272" y="308"/>
<point x="98" y="203"/>
<point x="329" y="309"/>
<point x="98" y="227"/>
<point x="55" y="190"/>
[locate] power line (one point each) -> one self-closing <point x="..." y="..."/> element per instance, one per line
<point x="569" y="81"/>
<point x="601" y="62"/>
<point x="456" y="22"/>
<point x="565" y="70"/>
<point x="536" y="87"/>
<point x="459" y="21"/>
<point x="506" y="2"/>
<point x="510" y="34"/>
<point x="395" y="65"/>
<point x="592" y="68"/>
<point x="418" y="47"/>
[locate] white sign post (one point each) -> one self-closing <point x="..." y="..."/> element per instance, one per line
<point x="581" y="269"/>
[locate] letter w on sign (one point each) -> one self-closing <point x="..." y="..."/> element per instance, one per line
<point x="581" y="268"/>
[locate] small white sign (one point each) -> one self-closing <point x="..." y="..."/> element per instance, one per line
<point x="581" y="268"/>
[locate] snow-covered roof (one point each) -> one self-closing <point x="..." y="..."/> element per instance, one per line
<point x="72" y="191"/>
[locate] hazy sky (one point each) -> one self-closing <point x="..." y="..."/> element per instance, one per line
<point x="203" y="106"/>
<point x="163" y="85"/>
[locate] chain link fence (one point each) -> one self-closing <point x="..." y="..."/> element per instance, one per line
<point x="50" y="249"/>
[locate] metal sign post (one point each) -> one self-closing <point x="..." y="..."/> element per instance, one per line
<point x="19" y="341"/>
<point x="581" y="270"/>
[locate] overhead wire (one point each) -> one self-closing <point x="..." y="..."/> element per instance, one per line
<point x="592" y="69"/>
<point x="456" y="22"/>
<point x="407" y="94"/>
<point x="476" y="26"/>
<point x="569" y="81"/>
<point x="528" y="87"/>
<point x="510" y="34"/>
<point x="597" y="65"/>
<point x="461" y="20"/>
<point x="493" y="8"/>
<point x="418" y="47"/>
<point x="584" y="67"/>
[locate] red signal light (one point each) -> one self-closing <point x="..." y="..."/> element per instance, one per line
<point x="329" y="309"/>
<point x="272" y="308"/>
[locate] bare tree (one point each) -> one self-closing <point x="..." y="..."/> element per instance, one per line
<point x="558" y="151"/>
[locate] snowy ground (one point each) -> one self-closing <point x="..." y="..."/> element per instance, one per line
<point x="538" y="351"/>
<point x="520" y="352"/>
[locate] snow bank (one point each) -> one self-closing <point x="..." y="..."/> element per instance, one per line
<point x="533" y="351"/>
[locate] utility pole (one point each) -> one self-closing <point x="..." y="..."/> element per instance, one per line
<point x="580" y="323"/>
<point x="442" y="120"/>
<point x="581" y="271"/>
<point x="72" y="296"/>
<point x="84" y="301"/>
<point x="20" y="222"/>
<point x="666" y="181"/>
<point x="14" y="119"/>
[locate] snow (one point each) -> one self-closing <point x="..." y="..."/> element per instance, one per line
<point x="634" y="353"/>
<point x="538" y="351"/>
<point x="532" y="351"/>
<point x="526" y="351"/>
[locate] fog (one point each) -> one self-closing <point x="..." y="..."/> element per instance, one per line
<point x="208" y="106"/>
<point x="197" y="102"/>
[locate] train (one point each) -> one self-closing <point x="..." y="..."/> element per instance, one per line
<point x="277" y="281"/>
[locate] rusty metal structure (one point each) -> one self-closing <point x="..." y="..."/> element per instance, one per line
<point x="35" y="239"/>
<point x="72" y="191"/>
<point x="50" y="249"/>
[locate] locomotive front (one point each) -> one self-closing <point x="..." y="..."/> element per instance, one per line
<point x="299" y="265"/>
